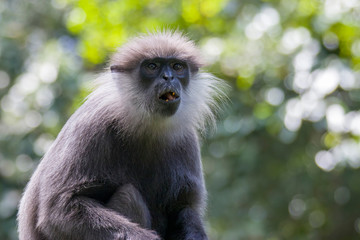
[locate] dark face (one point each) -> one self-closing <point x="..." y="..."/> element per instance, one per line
<point x="163" y="80"/>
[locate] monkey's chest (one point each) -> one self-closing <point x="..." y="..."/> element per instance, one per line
<point x="162" y="175"/>
<point x="163" y="180"/>
<point x="163" y="184"/>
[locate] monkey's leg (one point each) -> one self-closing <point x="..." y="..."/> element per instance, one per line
<point x="186" y="225"/>
<point x="128" y="201"/>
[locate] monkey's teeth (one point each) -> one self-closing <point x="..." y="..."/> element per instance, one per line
<point x="169" y="96"/>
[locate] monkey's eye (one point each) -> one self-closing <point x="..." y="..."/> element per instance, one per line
<point x="152" y="66"/>
<point x="178" y="66"/>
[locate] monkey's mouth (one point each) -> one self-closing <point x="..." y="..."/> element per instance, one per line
<point x="169" y="96"/>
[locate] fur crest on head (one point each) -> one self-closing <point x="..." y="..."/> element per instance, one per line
<point x="158" y="44"/>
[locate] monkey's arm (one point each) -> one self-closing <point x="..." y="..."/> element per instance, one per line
<point x="76" y="215"/>
<point x="76" y="178"/>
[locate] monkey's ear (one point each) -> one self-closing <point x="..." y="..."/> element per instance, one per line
<point x="116" y="68"/>
<point x="193" y="68"/>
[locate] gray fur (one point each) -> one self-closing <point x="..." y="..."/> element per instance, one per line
<point x="117" y="170"/>
<point x="128" y="201"/>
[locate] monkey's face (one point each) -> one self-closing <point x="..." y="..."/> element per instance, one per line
<point x="164" y="79"/>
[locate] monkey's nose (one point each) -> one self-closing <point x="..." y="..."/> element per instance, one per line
<point x="168" y="77"/>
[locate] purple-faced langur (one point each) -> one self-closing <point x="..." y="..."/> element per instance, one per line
<point x="127" y="165"/>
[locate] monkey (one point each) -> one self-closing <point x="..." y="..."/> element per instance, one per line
<point x="126" y="165"/>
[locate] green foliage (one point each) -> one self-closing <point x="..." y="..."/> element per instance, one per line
<point x="284" y="163"/>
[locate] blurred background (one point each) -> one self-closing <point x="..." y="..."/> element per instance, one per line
<point x="284" y="163"/>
